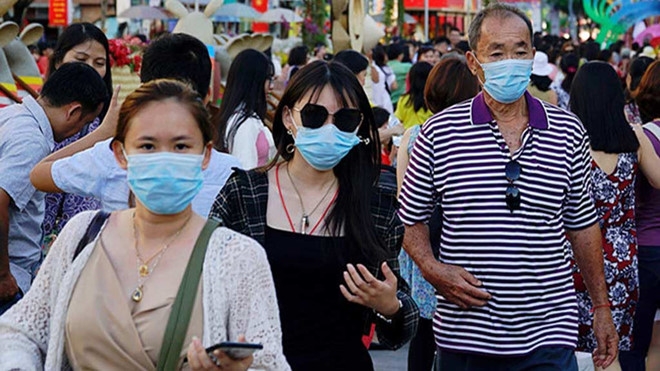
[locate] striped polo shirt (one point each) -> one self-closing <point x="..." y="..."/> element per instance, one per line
<point x="458" y="160"/>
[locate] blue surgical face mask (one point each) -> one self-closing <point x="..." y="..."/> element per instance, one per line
<point x="324" y="147"/>
<point x="507" y="80"/>
<point x="165" y="182"/>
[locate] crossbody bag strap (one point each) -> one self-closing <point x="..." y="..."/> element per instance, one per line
<point x="177" y="325"/>
<point x="92" y="231"/>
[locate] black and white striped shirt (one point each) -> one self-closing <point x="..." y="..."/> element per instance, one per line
<point x="458" y="160"/>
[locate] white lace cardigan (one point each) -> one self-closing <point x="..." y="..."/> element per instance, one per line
<point x="238" y="298"/>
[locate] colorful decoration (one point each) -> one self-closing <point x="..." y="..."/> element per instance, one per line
<point x="126" y="52"/>
<point x="615" y="17"/>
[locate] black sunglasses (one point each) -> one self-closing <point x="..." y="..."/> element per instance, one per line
<point x="314" y="116"/>
<point x="512" y="171"/>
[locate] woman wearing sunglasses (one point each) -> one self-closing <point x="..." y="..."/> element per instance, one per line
<point x="329" y="230"/>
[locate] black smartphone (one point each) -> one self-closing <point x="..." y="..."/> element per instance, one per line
<point x="235" y="350"/>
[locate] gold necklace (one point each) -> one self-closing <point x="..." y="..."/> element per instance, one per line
<point x="304" y="221"/>
<point x="143" y="266"/>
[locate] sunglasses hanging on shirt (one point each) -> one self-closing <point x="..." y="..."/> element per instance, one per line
<point x="512" y="171"/>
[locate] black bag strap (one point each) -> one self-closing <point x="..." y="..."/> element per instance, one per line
<point x="92" y="231"/>
<point x="177" y="325"/>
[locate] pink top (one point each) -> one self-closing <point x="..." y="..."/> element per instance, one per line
<point x="648" y="205"/>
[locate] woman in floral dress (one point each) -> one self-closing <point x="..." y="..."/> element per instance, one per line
<point x="618" y="153"/>
<point x="80" y="42"/>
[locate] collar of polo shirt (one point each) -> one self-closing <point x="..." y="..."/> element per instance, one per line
<point x="538" y="117"/>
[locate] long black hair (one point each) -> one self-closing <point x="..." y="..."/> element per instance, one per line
<point x="245" y="94"/>
<point x="357" y="173"/>
<point x="74" y="35"/>
<point x="418" y="75"/>
<point x="569" y="65"/>
<point x="597" y="99"/>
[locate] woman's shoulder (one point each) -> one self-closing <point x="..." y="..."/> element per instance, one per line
<point x="236" y="247"/>
<point x="240" y="179"/>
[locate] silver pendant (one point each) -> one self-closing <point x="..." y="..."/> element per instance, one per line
<point x="304" y="224"/>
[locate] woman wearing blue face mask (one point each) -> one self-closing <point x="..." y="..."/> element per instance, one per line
<point x="330" y="231"/>
<point x="109" y="305"/>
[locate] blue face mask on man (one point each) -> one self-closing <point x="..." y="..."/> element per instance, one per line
<point x="507" y="80"/>
<point x="165" y="182"/>
<point x="323" y="148"/>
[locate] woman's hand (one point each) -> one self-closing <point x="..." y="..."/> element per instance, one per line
<point x="199" y="360"/>
<point x="365" y="289"/>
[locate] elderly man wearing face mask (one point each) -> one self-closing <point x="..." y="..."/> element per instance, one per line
<point x="511" y="175"/>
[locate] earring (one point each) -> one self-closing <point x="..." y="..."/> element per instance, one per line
<point x="289" y="132"/>
<point x="366" y="141"/>
<point x="290" y="148"/>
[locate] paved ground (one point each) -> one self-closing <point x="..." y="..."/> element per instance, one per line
<point x="387" y="360"/>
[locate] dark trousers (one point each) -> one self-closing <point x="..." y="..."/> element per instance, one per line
<point x="422" y="347"/>
<point x="649" y="302"/>
<point x="542" y="359"/>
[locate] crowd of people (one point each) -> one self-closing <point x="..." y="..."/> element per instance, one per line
<point x="492" y="200"/>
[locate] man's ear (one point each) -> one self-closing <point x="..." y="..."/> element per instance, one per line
<point x="117" y="150"/>
<point x="472" y="62"/>
<point x="74" y="112"/>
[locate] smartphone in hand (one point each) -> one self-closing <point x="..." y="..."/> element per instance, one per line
<point x="235" y="350"/>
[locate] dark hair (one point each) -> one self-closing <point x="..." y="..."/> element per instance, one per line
<point x="597" y="99"/>
<point x="298" y="56"/>
<point x="647" y="94"/>
<point x="590" y="50"/>
<point x="381" y="116"/>
<point x="245" y="92"/>
<point x="379" y="55"/>
<point x="75" y="82"/>
<point x="394" y="51"/>
<point x="541" y="82"/>
<point x="74" y="35"/>
<point x="440" y="40"/>
<point x="463" y="46"/>
<point x="424" y="49"/>
<point x="160" y="90"/>
<point x="605" y="55"/>
<point x="569" y="66"/>
<point x="358" y="172"/>
<point x="355" y="61"/>
<point x="418" y="75"/>
<point x="498" y="10"/>
<point x="637" y="69"/>
<point x="178" y="56"/>
<point x="449" y="82"/>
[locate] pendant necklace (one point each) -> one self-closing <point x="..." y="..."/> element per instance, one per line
<point x="304" y="220"/>
<point x="143" y="265"/>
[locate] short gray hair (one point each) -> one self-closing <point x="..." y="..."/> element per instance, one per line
<point x="498" y="10"/>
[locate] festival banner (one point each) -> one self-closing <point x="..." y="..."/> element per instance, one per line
<point x="58" y="13"/>
<point x="260" y="6"/>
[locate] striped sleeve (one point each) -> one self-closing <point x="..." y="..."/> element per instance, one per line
<point x="580" y="211"/>
<point x="417" y="192"/>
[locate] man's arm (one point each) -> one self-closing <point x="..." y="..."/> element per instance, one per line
<point x="588" y="252"/>
<point x="8" y="286"/>
<point x="454" y="283"/>
<point x="41" y="175"/>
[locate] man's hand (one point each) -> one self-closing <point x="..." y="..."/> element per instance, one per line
<point x="456" y="284"/>
<point x="8" y="287"/>
<point x="607" y="339"/>
<point x="109" y="124"/>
